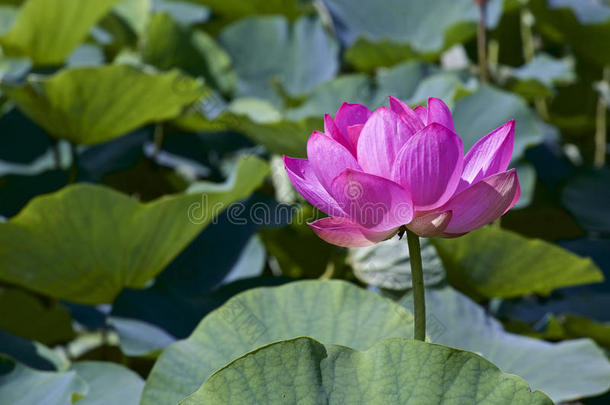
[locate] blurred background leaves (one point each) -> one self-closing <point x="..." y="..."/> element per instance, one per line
<point x="117" y="116"/>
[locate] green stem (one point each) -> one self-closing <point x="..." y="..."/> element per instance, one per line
<point x="417" y="275"/>
<point x="529" y="53"/>
<point x="482" y="40"/>
<point x="599" y="159"/>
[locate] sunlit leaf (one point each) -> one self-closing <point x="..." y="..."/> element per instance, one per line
<point x="491" y="262"/>
<point x="47" y="31"/>
<point x="393" y="371"/>
<point x="331" y="311"/>
<point x="86" y="243"/>
<point x="95" y="104"/>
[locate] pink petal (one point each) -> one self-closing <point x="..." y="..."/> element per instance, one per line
<point x="431" y="224"/>
<point x="353" y="133"/>
<point x="307" y="184"/>
<point x="331" y="129"/>
<point x="328" y="158"/>
<point x="440" y="113"/>
<point x="351" y="114"/>
<point x="429" y="166"/>
<point x="381" y="138"/>
<point x="490" y="155"/>
<point x="373" y="202"/>
<point x="482" y="202"/>
<point x="343" y="232"/>
<point x="413" y="121"/>
<point x="422" y="113"/>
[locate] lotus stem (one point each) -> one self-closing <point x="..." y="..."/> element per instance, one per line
<point x="419" y="293"/>
<point x="482" y="40"/>
<point x="529" y="52"/>
<point x="601" y="136"/>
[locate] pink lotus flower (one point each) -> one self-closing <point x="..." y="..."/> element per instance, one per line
<point x="374" y="173"/>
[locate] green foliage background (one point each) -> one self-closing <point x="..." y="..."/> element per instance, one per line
<point x="153" y="252"/>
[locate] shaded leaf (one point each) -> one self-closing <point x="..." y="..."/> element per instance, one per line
<point x="488" y="108"/>
<point x="421" y="25"/>
<point x="16" y="190"/>
<point x="108" y="383"/>
<point x="25" y="386"/>
<point x="31" y="354"/>
<point x="25" y="315"/>
<point x="587" y="197"/>
<point x="308" y="55"/>
<point x="388" y="265"/>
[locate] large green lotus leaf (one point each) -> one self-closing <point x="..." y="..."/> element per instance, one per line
<point x="388" y="265"/>
<point x="21" y="385"/>
<point x="109" y="383"/>
<point x="27" y="316"/>
<point x="395" y="371"/>
<point x="488" y="108"/>
<point x="278" y="58"/>
<point x="420" y="24"/>
<point x="492" y="262"/>
<point x="547" y="70"/>
<point x="86" y="243"/>
<point x="461" y="323"/>
<point x="587" y="197"/>
<point x="47" y="31"/>
<point x="95" y="104"/>
<point x="331" y="311"/>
